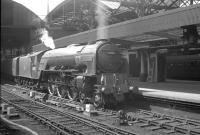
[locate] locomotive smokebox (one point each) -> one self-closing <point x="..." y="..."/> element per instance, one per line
<point x="109" y="58"/>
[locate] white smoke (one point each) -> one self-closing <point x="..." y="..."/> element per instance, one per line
<point x="102" y="21"/>
<point x="46" y="39"/>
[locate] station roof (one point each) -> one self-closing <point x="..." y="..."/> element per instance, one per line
<point x="166" y="25"/>
<point x="41" y="8"/>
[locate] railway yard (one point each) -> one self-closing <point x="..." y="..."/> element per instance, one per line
<point x="100" y="67"/>
<point x="64" y="117"/>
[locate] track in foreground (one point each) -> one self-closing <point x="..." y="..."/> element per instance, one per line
<point x="151" y="120"/>
<point x="62" y="122"/>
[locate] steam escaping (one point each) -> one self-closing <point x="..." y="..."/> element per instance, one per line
<point x="46" y="39"/>
<point x="102" y="21"/>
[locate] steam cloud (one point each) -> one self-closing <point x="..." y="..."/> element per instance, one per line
<point x="47" y="40"/>
<point x="102" y="21"/>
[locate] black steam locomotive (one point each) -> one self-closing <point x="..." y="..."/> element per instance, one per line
<point x="93" y="72"/>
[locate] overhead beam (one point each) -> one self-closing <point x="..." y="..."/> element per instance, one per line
<point x="158" y="22"/>
<point x="163" y="34"/>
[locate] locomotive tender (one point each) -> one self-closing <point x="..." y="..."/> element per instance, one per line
<point x="94" y="72"/>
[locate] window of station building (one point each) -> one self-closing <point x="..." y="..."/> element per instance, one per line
<point x="185" y="3"/>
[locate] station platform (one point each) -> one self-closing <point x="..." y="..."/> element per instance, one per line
<point x="186" y="91"/>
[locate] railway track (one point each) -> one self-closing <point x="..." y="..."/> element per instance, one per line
<point x="23" y="125"/>
<point x="161" y="122"/>
<point x="64" y="123"/>
<point x="71" y="103"/>
<point x="6" y="130"/>
<point x="147" y="119"/>
<point x="168" y="124"/>
<point x="40" y="95"/>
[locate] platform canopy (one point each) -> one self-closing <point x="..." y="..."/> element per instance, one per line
<point x="166" y="25"/>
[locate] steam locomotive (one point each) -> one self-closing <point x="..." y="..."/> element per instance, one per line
<point x="94" y="72"/>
